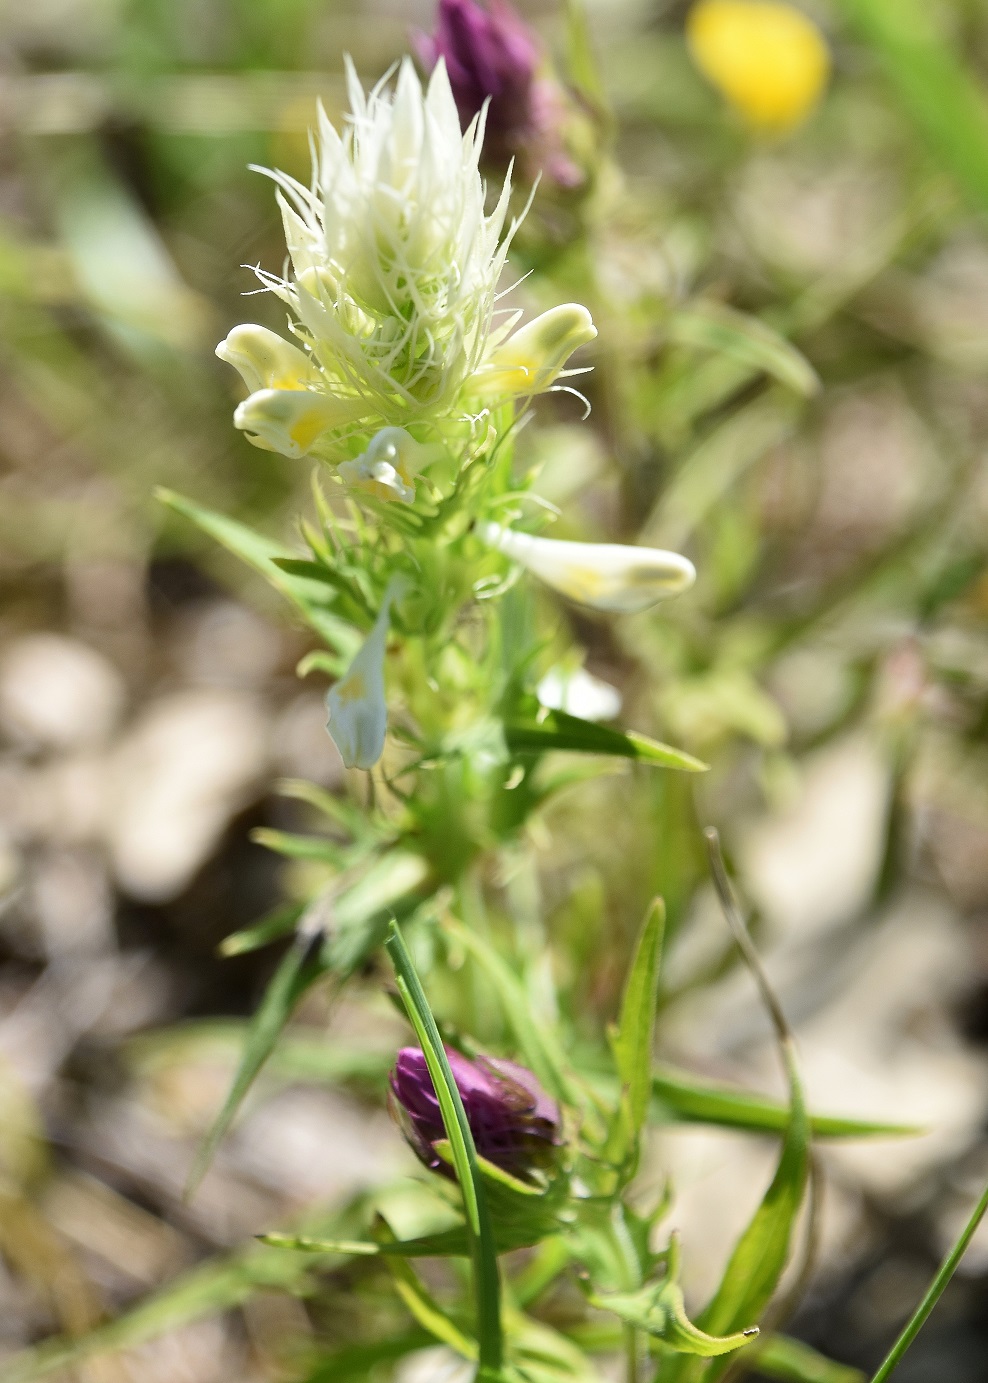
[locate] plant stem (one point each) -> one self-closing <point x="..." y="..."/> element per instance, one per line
<point x="947" y="1269"/>
<point x="487" y="1282"/>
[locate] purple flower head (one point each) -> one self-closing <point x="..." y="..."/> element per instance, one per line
<point x="489" y="53"/>
<point x="514" y="1123"/>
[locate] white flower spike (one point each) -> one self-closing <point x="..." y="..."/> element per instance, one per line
<point x="394" y="268"/>
<point x="386" y="468"/>
<point x="358" y="710"/>
<point x="606" y="576"/>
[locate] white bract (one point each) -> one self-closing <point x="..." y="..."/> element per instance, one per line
<point x="394" y="268"/>
<point x="606" y="576"/>
<point x="358" y="710"/>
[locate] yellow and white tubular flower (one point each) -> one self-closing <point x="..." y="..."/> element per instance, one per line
<point x="358" y="709"/>
<point x="386" y="468"/>
<point x="605" y="576"/>
<point x="392" y="284"/>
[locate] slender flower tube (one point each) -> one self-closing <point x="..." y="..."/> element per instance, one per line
<point x="514" y="1123"/>
<point x="766" y="57"/>
<point x="358" y="710"/>
<point x="606" y="576"/>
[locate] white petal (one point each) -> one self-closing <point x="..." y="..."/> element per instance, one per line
<point x="606" y="576"/>
<point x="579" y="693"/>
<point x="292" y="420"/>
<point x="265" y="360"/>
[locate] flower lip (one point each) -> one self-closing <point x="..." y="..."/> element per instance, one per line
<point x="515" y="1124"/>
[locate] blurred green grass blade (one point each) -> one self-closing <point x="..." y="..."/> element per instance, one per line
<point x="694" y="1100"/>
<point x="272" y="927"/>
<point x="716" y="464"/>
<point x="947" y="1269"/>
<point x="427" y="1311"/>
<point x="299" y="969"/>
<point x="207" y="1290"/>
<point x="746" y="339"/>
<point x="538" y="1046"/>
<point x="636" y="1024"/>
<point x="560" y="731"/>
<point x="260" y="553"/>
<point x="946" y="102"/>
<point x="356" y="1364"/>
<point x="793" y="1362"/>
<point x="487" y="1282"/>
<point x="298" y="847"/>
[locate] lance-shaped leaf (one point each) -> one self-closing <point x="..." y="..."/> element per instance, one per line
<point x="559" y="731"/>
<point x="632" y="1041"/>
<point x="394" y="886"/>
<point x="306" y="596"/>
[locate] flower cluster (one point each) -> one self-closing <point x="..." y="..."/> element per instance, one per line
<point x="394" y="274"/>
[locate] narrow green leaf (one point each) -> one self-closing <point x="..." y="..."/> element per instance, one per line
<point x="356" y="1363"/>
<point x="636" y="1026"/>
<point x="394" y="886"/>
<point x="296" y="847"/>
<point x="760" y="1255"/>
<point x="262" y="554"/>
<point x="276" y="924"/>
<point x="933" y="1294"/>
<point x="560" y="731"/>
<point x="536" y="1043"/>
<point x="688" y="1098"/>
<point x="300" y="967"/>
<point x="213" y="1287"/>
<point x="943" y="97"/>
<point x="716" y="327"/>
<point x="354" y="1248"/>
<point x="487" y="1283"/>
<point x="427" y="1311"/>
<point x="778" y="1356"/>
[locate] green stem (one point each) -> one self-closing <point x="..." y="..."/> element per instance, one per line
<point x="487" y="1282"/>
<point x="919" y="1316"/>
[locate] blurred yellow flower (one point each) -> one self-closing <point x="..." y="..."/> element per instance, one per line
<point x="767" y="58"/>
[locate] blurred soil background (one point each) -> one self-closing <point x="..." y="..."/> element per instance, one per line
<point x="833" y="667"/>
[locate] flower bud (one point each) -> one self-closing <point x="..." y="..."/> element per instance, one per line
<point x="767" y="58"/>
<point x="515" y="1125"/>
<point x="358" y="710"/>
<point x="606" y="576"/>
<point x="532" y="358"/>
<point x="493" y="57"/>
